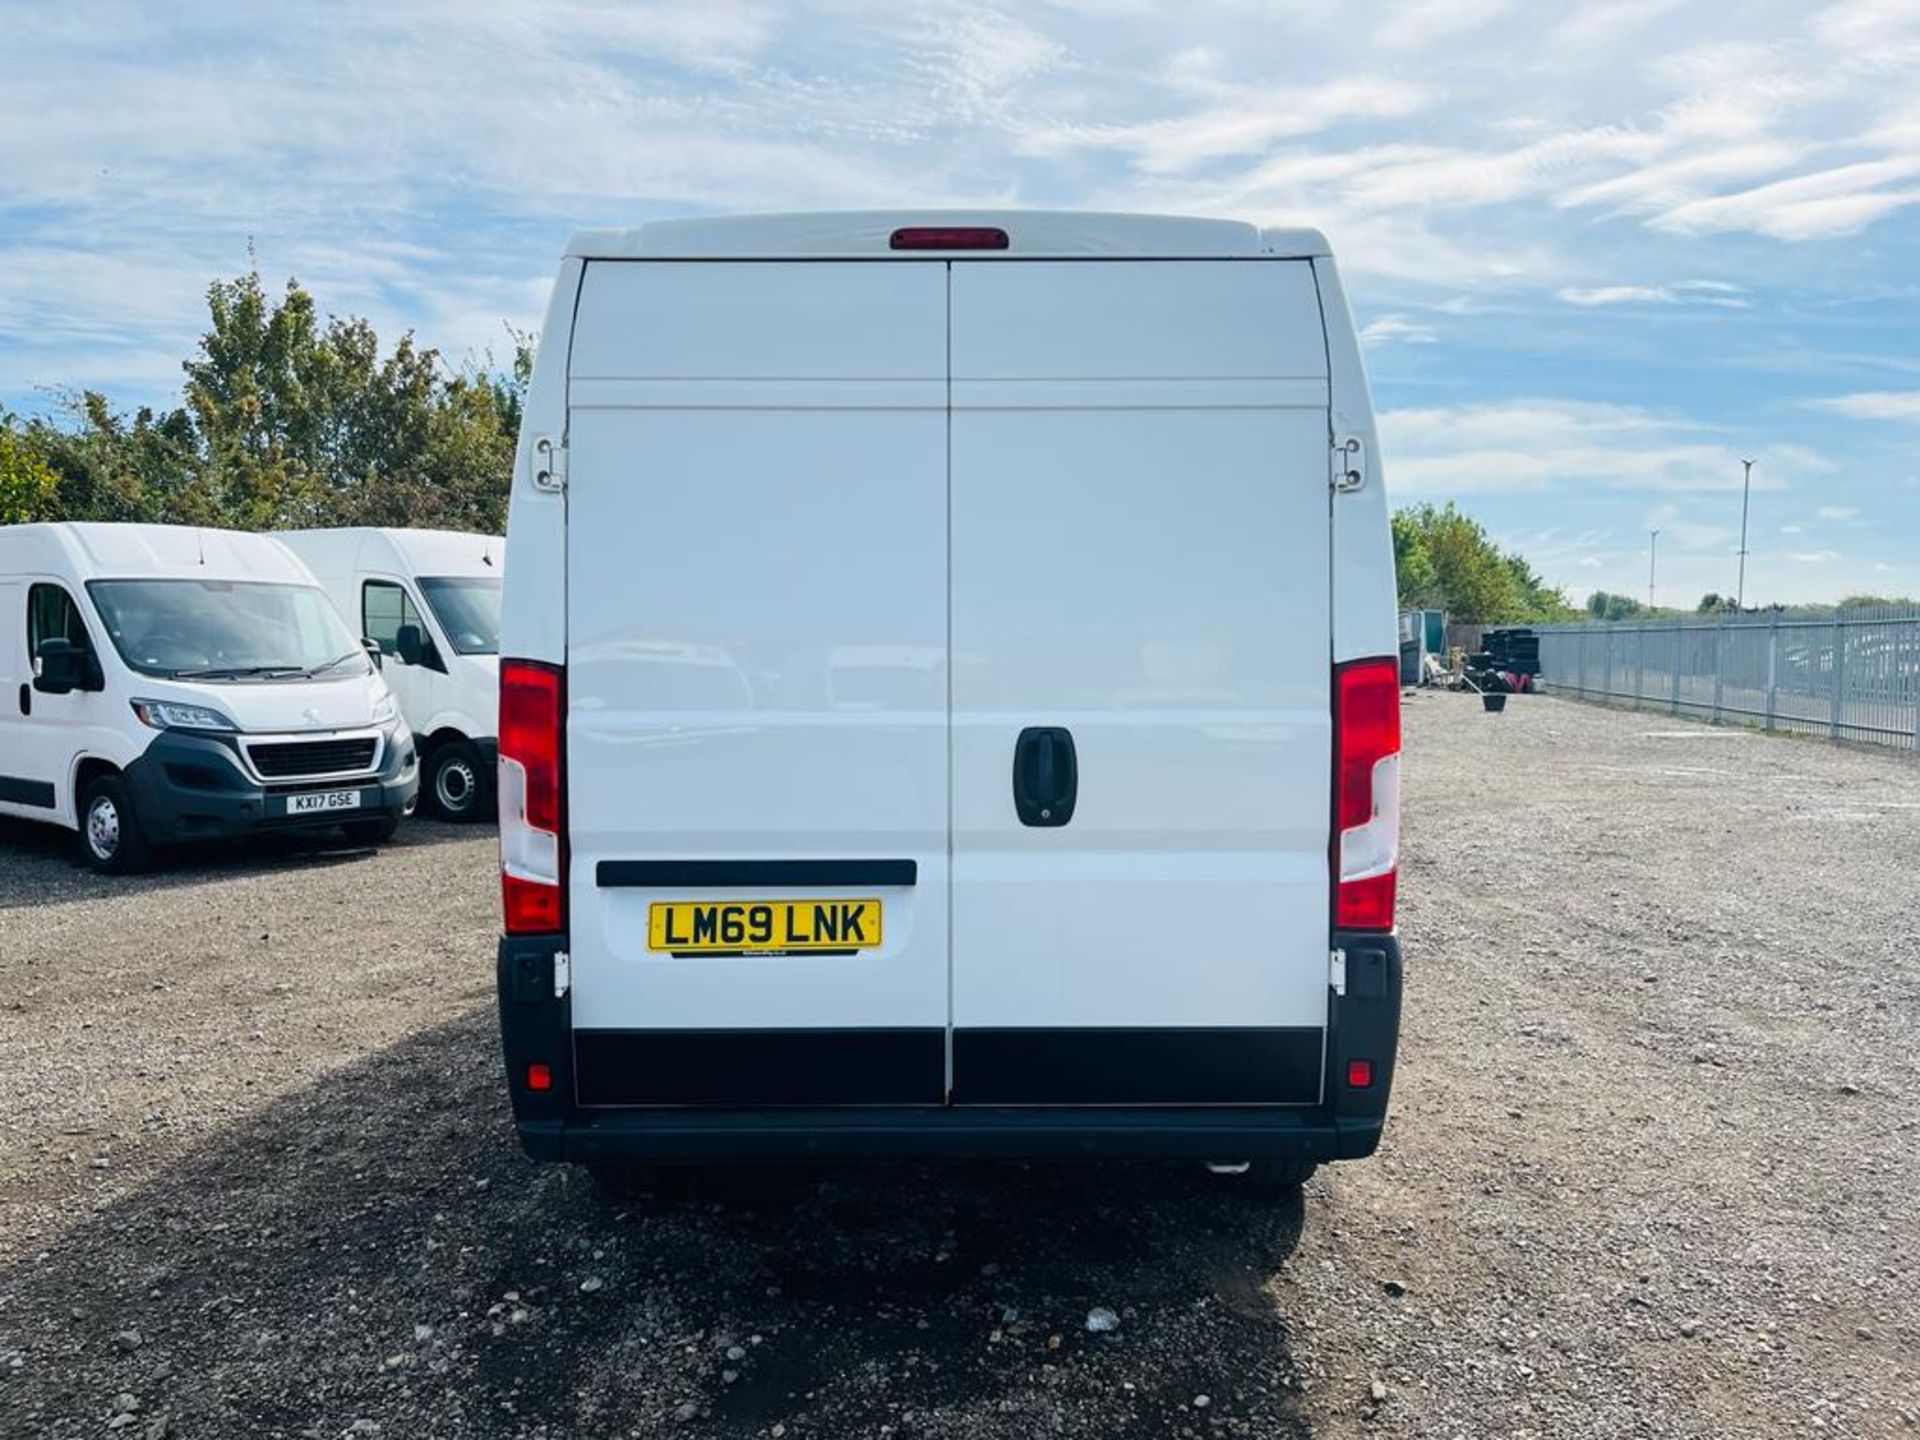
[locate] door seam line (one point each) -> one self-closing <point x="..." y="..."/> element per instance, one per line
<point x="947" y="1093"/>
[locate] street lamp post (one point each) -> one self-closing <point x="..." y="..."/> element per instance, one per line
<point x="1653" y="560"/>
<point x="1746" y="492"/>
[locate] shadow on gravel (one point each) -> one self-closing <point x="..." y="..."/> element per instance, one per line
<point x="41" y="864"/>
<point x="376" y="1249"/>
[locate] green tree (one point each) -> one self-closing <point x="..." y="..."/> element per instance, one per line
<point x="1445" y="559"/>
<point x="1871" y="601"/>
<point x="289" y="420"/>
<point x="29" y="488"/>
<point x="1604" y="605"/>
<point x="1417" y="581"/>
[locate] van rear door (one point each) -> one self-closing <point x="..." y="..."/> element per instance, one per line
<point x="1141" y="666"/>
<point x="757" y="688"/>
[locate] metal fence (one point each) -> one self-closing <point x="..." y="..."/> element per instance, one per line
<point x="1845" y="674"/>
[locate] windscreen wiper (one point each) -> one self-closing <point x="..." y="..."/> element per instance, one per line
<point x="237" y="672"/>
<point x="313" y="670"/>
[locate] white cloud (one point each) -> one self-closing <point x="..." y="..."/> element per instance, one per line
<point x="1242" y="120"/>
<point x="1813" y="557"/>
<point x="1836" y="201"/>
<point x="1534" y="445"/>
<point x="1837" y="512"/>
<point x="1613" y="294"/>
<point x="1679" y="292"/>
<point x="1873" y="405"/>
<point x="1397" y="330"/>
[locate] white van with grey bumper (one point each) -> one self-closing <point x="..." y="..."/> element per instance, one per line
<point x="163" y="682"/>
<point x="949" y="703"/>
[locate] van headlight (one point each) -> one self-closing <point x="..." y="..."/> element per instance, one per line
<point x="385" y="712"/>
<point x="174" y="715"/>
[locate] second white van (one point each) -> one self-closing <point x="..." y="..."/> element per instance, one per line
<point x="430" y="602"/>
<point x="162" y="683"/>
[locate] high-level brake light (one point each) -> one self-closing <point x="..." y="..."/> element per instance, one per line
<point x="949" y="237"/>
<point x="532" y="711"/>
<point x="1366" y="792"/>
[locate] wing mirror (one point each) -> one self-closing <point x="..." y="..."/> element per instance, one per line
<point x="411" y="644"/>
<point x="60" y="667"/>
<point x="374" y="653"/>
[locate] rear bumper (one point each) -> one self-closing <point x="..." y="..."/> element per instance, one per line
<point x="1345" y="1125"/>
<point x="1228" y="1133"/>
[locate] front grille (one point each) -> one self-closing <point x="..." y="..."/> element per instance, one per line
<point x="292" y="759"/>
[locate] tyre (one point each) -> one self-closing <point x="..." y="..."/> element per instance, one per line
<point x="111" y="836"/>
<point x="1280" y="1174"/>
<point x="457" y="783"/>
<point x="372" y="832"/>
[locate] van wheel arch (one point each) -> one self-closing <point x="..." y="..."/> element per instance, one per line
<point x="90" y="769"/>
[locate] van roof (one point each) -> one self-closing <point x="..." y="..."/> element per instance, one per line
<point x="423" y="552"/>
<point x="865" y="234"/>
<point x="91" y="550"/>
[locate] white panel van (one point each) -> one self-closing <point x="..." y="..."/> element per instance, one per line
<point x="429" y="600"/>
<point x="162" y="683"/>
<point x="949" y="703"/>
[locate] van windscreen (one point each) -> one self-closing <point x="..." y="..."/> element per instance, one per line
<point x="225" y="629"/>
<point x="468" y="609"/>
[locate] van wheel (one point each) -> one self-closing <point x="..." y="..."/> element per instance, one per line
<point x="457" y="781"/>
<point x="1278" y="1175"/>
<point x="617" y="1182"/>
<point x="110" y="833"/>
<point x="371" y="832"/>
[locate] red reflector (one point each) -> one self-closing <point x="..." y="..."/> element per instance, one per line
<point x="539" y="1075"/>
<point x="949" y="237"/>
<point x="1359" y="1073"/>
<point x="1365" y="904"/>
<point x="532" y="907"/>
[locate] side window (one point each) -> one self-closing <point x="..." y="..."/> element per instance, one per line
<point x="51" y="614"/>
<point x="384" y="608"/>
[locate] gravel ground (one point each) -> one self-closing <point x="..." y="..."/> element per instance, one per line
<point x="1651" y="1169"/>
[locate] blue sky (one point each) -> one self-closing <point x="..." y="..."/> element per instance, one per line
<point x="1599" y="252"/>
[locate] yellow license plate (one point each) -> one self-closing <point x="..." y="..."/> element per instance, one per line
<point x="763" y="927"/>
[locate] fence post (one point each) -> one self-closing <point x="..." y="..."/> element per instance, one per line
<point x="1839" y="676"/>
<point x="1674" y="651"/>
<point x="1719" y="674"/>
<point x="1606" y="667"/>
<point x="1773" y="666"/>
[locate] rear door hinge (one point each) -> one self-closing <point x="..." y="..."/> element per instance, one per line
<point x="1337" y="972"/>
<point x="549" y="464"/>
<point x="562" y="974"/>
<point x="1349" y="469"/>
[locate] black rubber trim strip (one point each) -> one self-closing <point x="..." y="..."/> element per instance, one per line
<point x="1242" y="1132"/>
<point x="743" y="874"/>
<point x="1199" y="1066"/>
<point x="16" y="791"/>
<point x="760" y="1067"/>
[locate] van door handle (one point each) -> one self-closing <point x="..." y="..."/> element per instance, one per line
<point x="26" y="698"/>
<point x="1046" y="776"/>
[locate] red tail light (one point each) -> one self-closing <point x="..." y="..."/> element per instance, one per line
<point x="948" y="237"/>
<point x="1366" y="792"/>
<point x="532" y="713"/>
